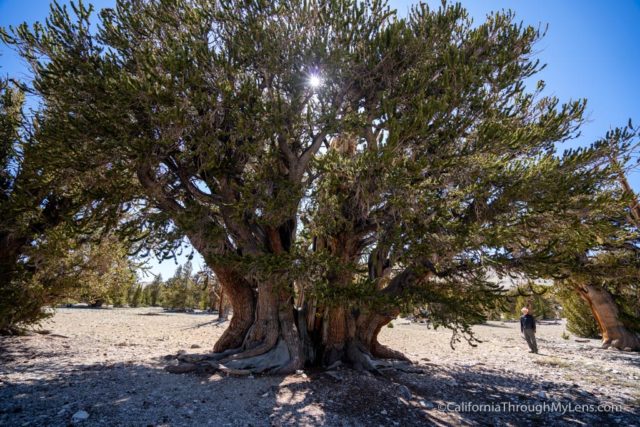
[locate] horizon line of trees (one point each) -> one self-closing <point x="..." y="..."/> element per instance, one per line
<point x="184" y="291"/>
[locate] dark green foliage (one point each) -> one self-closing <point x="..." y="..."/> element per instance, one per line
<point x="45" y="222"/>
<point x="181" y="292"/>
<point x="96" y="272"/>
<point x="541" y="299"/>
<point x="21" y="305"/>
<point x="29" y="207"/>
<point x="136" y="299"/>
<point x="155" y="291"/>
<point x="580" y="320"/>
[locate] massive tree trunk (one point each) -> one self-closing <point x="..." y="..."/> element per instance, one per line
<point x="267" y="333"/>
<point x="235" y="287"/>
<point x="349" y="335"/>
<point x="273" y="342"/>
<point x="347" y="331"/>
<point x="614" y="332"/>
<point x="242" y="300"/>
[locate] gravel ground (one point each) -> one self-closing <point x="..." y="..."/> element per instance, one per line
<point x="105" y="367"/>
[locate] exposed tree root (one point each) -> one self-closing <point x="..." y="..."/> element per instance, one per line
<point x="232" y="337"/>
<point x="383" y="352"/>
<point x="272" y="360"/>
<point x="266" y="337"/>
<point x="276" y="360"/>
<point x="627" y="342"/>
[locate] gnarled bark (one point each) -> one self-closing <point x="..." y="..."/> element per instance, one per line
<point x="234" y="286"/>
<point x="348" y="335"/>
<point x="272" y="343"/>
<point x="242" y="300"/>
<point x="614" y="332"/>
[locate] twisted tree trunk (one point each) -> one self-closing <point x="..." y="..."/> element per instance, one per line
<point x="272" y="343"/>
<point x="242" y="300"/>
<point x="614" y="332"/>
<point x="348" y="335"/>
<point x="236" y="288"/>
<point x="267" y="333"/>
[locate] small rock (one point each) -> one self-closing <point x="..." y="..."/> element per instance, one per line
<point x="427" y="405"/>
<point x="79" y="417"/>
<point x="383" y="412"/>
<point x="405" y="392"/>
<point x="542" y="395"/>
<point x="195" y="346"/>
<point x="266" y="394"/>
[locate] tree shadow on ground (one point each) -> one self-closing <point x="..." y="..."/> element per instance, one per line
<point x="145" y="394"/>
<point x="628" y="358"/>
<point x="194" y="312"/>
<point x="483" y="396"/>
<point x="496" y="325"/>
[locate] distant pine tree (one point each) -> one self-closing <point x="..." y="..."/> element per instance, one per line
<point x="137" y="296"/>
<point x="156" y="291"/>
<point x="146" y="296"/>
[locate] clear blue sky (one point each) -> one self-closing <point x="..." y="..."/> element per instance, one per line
<point x="592" y="49"/>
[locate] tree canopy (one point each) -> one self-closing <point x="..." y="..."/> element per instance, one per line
<point x="330" y="150"/>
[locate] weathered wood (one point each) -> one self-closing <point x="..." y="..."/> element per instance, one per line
<point x="614" y="332"/>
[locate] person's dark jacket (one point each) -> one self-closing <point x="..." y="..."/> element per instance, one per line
<point x="527" y="322"/>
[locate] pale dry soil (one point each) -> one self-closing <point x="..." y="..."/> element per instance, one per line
<point x="110" y="363"/>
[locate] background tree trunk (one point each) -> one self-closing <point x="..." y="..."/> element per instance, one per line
<point x="222" y="312"/>
<point x="614" y="332"/>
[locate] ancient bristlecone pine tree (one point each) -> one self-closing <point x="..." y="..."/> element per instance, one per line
<point x="370" y="162"/>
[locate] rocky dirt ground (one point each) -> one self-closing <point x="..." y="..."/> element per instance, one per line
<point x="106" y="367"/>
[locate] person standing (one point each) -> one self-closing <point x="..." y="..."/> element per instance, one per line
<point x="528" y="329"/>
